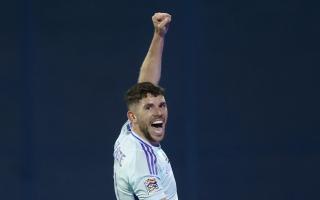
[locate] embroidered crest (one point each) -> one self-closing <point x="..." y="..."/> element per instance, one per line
<point x="151" y="184"/>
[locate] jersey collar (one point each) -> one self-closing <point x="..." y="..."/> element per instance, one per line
<point x="134" y="134"/>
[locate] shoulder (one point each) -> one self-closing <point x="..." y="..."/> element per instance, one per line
<point x="125" y="151"/>
<point x="133" y="154"/>
<point x="133" y="151"/>
<point x="127" y="148"/>
<point x="136" y="158"/>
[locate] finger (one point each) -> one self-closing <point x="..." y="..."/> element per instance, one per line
<point x="160" y="16"/>
<point x="165" y="22"/>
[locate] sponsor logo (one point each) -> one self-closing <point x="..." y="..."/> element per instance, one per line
<point x="151" y="184"/>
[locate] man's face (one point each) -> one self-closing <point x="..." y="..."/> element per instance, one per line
<point x="151" y="117"/>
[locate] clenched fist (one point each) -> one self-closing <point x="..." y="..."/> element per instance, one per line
<point x="161" y="23"/>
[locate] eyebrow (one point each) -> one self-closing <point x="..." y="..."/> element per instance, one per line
<point x="152" y="104"/>
<point x="148" y="104"/>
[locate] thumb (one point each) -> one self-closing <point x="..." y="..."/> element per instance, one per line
<point x="164" y="23"/>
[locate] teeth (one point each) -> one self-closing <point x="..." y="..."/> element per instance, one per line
<point x="158" y="122"/>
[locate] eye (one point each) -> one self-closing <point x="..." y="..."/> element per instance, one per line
<point x="148" y="107"/>
<point x="163" y="105"/>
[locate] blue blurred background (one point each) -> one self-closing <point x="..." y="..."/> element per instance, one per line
<point x="242" y="88"/>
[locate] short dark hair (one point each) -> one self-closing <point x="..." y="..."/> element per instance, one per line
<point x="140" y="91"/>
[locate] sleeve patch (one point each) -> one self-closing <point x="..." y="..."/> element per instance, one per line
<point x="151" y="185"/>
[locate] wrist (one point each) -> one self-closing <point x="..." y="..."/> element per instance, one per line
<point x="159" y="35"/>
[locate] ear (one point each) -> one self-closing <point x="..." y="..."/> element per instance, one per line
<point x="132" y="117"/>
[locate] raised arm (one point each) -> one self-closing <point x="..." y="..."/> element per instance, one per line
<point x="150" y="70"/>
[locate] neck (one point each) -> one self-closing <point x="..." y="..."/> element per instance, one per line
<point x="137" y="130"/>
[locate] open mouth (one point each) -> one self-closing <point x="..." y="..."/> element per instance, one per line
<point x="157" y="124"/>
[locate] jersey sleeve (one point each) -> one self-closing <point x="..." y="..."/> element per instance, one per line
<point x="121" y="188"/>
<point x="122" y="157"/>
<point x="144" y="178"/>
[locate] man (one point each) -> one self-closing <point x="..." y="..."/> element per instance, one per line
<point x="141" y="168"/>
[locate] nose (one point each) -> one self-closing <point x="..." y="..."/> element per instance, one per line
<point x="158" y="112"/>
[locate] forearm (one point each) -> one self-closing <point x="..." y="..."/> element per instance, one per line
<point x="150" y="70"/>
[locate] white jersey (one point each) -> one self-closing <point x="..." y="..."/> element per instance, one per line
<point x="141" y="170"/>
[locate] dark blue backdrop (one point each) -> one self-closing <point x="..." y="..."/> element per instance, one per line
<point x="242" y="87"/>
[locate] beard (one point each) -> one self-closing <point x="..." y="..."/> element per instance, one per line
<point x="145" y="131"/>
